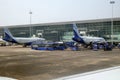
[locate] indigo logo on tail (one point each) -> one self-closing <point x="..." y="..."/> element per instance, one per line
<point x="77" y="36"/>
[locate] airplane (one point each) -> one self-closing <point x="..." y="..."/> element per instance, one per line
<point x="87" y="40"/>
<point x="19" y="40"/>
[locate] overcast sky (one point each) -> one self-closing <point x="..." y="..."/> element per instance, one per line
<point x="16" y="12"/>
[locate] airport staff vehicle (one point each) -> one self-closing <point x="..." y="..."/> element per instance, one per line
<point x="20" y="40"/>
<point x="46" y="45"/>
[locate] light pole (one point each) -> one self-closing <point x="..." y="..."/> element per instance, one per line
<point x="30" y="23"/>
<point x="112" y="2"/>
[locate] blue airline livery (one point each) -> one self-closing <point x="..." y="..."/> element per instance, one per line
<point x="20" y="40"/>
<point x="85" y="39"/>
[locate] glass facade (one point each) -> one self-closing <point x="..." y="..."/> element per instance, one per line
<point x="64" y="31"/>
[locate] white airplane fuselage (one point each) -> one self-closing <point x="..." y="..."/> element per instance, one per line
<point x="26" y="40"/>
<point x="88" y="39"/>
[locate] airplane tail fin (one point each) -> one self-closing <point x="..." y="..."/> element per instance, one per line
<point x="8" y="36"/>
<point x="75" y="31"/>
<point x="77" y="36"/>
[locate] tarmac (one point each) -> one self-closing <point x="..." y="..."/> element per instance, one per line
<point x="27" y="64"/>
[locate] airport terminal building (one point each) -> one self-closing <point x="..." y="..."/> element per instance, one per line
<point x="62" y="31"/>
